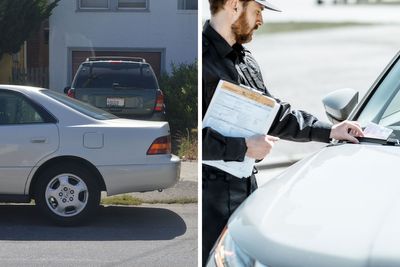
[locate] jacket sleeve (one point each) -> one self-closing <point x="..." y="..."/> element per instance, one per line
<point x="295" y="125"/>
<point x="215" y="145"/>
<point x="219" y="147"/>
<point x="300" y="126"/>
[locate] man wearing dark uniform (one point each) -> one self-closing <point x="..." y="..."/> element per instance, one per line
<point x="232" y="24"/>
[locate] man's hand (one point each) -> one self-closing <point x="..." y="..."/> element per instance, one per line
<point x="346" y="130"/>
<point x="258" y="146"/>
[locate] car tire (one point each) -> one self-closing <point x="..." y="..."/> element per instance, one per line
<point x="68" y="194"/>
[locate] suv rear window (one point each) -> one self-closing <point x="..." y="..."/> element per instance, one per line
<point x="115" y="74"/>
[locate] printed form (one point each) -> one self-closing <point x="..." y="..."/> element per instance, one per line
<point x="239" y="111"/>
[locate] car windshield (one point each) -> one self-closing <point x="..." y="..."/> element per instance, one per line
<point x="82" y="107"/>
<point x="383" y="107"/>
<point x="115" y="74"/>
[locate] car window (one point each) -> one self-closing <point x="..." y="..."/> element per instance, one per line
<point x="79" y="106"/>
<point x="15" y="109"/>
<point x="383" y="108"/>
<point x="115" y="74"/>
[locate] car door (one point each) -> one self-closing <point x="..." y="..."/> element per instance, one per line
<point x="27" y="134"/>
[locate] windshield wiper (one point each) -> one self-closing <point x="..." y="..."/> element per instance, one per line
<point x="388" y="142"/>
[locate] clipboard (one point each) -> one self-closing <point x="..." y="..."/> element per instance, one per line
<point x="239" y="111"/>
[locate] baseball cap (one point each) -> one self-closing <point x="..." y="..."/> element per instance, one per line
<point x="268" y="5"/>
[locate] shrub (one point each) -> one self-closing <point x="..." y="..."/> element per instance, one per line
<point x="187" y="145"/>
<point x="180" y="90"/>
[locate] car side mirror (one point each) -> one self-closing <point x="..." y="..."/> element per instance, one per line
<point x="66" y="89"/>
<point x="339" y="104"/>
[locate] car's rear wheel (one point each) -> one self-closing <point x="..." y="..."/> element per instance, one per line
<point x="68" y="194"/>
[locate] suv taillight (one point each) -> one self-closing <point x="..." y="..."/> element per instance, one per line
<point x="159" y="101"/>
<point x="161" y="145"/>
<point x="71" y="93"/>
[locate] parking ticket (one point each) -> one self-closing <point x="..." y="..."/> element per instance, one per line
<point x="374" y="130"/>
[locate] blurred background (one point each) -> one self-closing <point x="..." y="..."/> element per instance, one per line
<point x="316" y="47"/>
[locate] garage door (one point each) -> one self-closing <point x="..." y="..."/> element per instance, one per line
<point x="153" y="58"/>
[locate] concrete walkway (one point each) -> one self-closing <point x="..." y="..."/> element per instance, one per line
<point x="189" y="171"/>
<point x="185" y="188"/>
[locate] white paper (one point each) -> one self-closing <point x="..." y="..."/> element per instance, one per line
<point x="239" y="112"/>
<point x="374" y="130"/>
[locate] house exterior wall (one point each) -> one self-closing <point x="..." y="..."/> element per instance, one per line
<point x="161" y="28"/>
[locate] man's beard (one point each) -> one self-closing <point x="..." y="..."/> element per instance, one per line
<point x="242" y="30"/>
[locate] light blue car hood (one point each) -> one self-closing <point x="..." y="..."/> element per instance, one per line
<point x="339" y="207"/>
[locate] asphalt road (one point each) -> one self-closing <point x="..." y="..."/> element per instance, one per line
<point x="148" y="235"/>
<point x="145" y="235"/>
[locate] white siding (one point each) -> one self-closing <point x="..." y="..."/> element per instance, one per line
<point x="162" y="28"/>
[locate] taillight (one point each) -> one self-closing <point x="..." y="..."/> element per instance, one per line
<point x="161" y="145"/>
<point x="159" y="101"/>
<point x="71" y="93"/>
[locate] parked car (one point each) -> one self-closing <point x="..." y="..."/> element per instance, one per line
<point x="338" y="207"/>
<point x="62" y="152"/>
<point x="124" y="86"/>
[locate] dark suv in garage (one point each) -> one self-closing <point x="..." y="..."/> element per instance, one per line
<point x="124" y="86"/>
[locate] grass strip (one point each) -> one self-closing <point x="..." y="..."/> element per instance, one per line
<point x="184" y="200"/>
<point x="279" y="27"/>
<point x="122" y="200"/>
<point x="130" y="200"/>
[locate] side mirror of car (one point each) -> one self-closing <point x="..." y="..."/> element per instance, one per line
<point x="339" y="104"/>
<point x="66" y="89"/>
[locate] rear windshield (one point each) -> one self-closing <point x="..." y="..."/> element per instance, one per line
<point x="115" y="74"/>
<point x="79" y="106"/>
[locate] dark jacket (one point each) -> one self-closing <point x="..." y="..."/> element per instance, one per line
<point x="236" y="64"/>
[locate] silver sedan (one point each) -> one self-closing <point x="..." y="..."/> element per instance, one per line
<point x="62" y="153"/>
<point x="338" y="207"/>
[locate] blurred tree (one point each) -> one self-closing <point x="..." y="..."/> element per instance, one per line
<point x="19" y="19"/>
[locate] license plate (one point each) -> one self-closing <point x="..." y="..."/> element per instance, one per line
<point x="115" y="102"/>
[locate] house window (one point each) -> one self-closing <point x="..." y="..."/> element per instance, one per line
<point x="132" y="4"/>
<point x="112" y="5"/>
<point x="187" y="4"/>
<point x="101" y="4"/>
